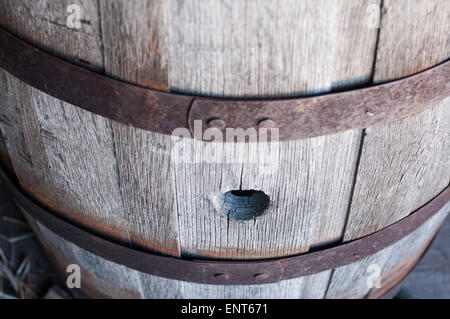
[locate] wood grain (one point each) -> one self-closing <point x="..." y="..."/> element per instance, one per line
<point x="147" y="187"/>
<point x="81" y="160"/>
<point x="125" y="183"/>
<point x="134" y="39"/>
<point x="306" y="208"/>
<point x="413" y="37"/>
<point x="69" y="161"/>
<point x="309" y="287"/>
<point x="44" y="24"/>
<point x="108" y="277"/>
<point x="113" y="279"/>
<point x="143" y="158"/>
<point x="84" y="173"/>
<point x="350" y="281"/>
<point x="71" y="149"/>
<point x="404" y="164"/>
<point x="261" y="48"/>
<point x="21" y="132"/>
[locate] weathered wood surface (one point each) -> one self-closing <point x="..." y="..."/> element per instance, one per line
<point x="57" y="160"/>
<point x="71" y="150"/>
<point x="140" y="56"/>
<point x="404" y="164"/>
<point x="305" y="208"/>
<point x="351" y="281"/>
<point x="262" y="48"/>
<point x="67" y="142"/>
<point x="141" y="163"/>
<point x="245" y="48"/>
<point x="111" y="279"/>
<point x="44" y="23"/>
<point x="122" y="180"/>
<point x="21" y="134"/>
<point x="144" y="164"/>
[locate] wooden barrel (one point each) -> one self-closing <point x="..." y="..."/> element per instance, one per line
<point x="104" y="190"/>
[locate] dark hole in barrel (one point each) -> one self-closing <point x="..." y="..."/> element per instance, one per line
<point x="240" y="205"/>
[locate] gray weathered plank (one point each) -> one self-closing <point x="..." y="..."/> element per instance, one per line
<point x="109" y="278"/>
<point x="143" y="158"/>
<point x="413" y="37"/>
<point x="4" y="156"/>
<point x="350" y="281"/>
<point x="134" y="41"/>
<point x="307" y="209"/>
<point x="21" y="132"/>
<point x="71" y="150"/>
<point x="404" y="164"/>
<point x="44" y="24"/>
<point x="66" y="158"/>
<point x="81" y="161"/>
<point x="262" y="48"/>
<point x="147" y="188"/>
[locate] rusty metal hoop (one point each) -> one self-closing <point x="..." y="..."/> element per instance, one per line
<point x="163" y="112"/>
<point x="227" y="272"/>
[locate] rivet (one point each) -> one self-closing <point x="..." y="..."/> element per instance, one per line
<point x="221" y="276"/>
<point x="216" y="122"/>
<point x="261" y="276"/>
<point x="267" y="123"/>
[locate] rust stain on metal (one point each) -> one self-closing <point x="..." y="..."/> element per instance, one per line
<point x="234" y="272"/>
<point x="162" y="112"/>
